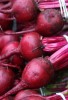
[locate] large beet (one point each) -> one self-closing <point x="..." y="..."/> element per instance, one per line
<point x="41" y="70"/>
<point x="36" y="71"/>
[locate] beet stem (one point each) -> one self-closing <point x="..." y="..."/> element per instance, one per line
<point x="6" y="6"/>
<point x="6" y="11"/>
<point x="10" y="65"/>
<point x="21" y="32"/>
<point x="8" y="54"/>
<point x="60" y="57"/>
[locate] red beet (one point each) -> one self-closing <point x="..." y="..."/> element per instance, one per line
<point x="36" y="71"/>
<point x="6" y="79"/>
<point x="49" y="22"/>
<point x="26" y="11"/>
<point x="9" y="47"/>
<point x="24" y="93"/>
<point x="5" y="39"/>
<point x="41" y="70"/>
<point x="28" y="43"/>
<point x="6" y="21"/>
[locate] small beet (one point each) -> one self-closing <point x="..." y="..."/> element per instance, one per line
<point x="6" y="79"/>
<point x="6" y="39"/>
<point x="49" y="22"/>
<point x="28" y="43"/>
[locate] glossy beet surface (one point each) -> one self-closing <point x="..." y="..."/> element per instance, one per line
<point x="36" y="71"/>
<point x="6" y="79"/>
<point x="9" y="47"/>
<point x="6" y="39"/>
<point x="28" y="43"/>
<point x="26" y="10"/>
<point x="24" y="93"/>
<point x="49" y="22"/>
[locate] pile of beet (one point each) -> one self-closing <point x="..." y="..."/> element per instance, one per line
<point x="33" y="48"/>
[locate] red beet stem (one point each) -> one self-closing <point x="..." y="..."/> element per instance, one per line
<point x="44" y="4"/>
<point x="6" y="11"/>
<point x="21" y="32"/>
<point x="10" y="65"/>
<point x="6" y="5"/>
<point x="52" y="44"/>
<point x="60" y="58"/>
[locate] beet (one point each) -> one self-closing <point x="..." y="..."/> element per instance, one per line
<point x="24" y="93"/>
<point x="49" y="22"/>
<point x="6" y="39"/>
<point x="41" y="70"/>
<point x="6" y="21"/>
<point x="8" y="48"/>
<point x="33" y="97"/>
<point x="26" y="11"/>
<point x="29" y="41"/>
<point x="36" y="71"/>
<point x="6" y="79"/>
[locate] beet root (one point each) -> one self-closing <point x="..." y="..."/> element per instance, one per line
<point x="6" y="39"/>
<point x="30" y="41"/>
<point x="36" y="71"/>
<point x="27" y="10"/>
<point x="24" y="93"/>
<point x="6" y="79"/>
<point x="49" y="22"/>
